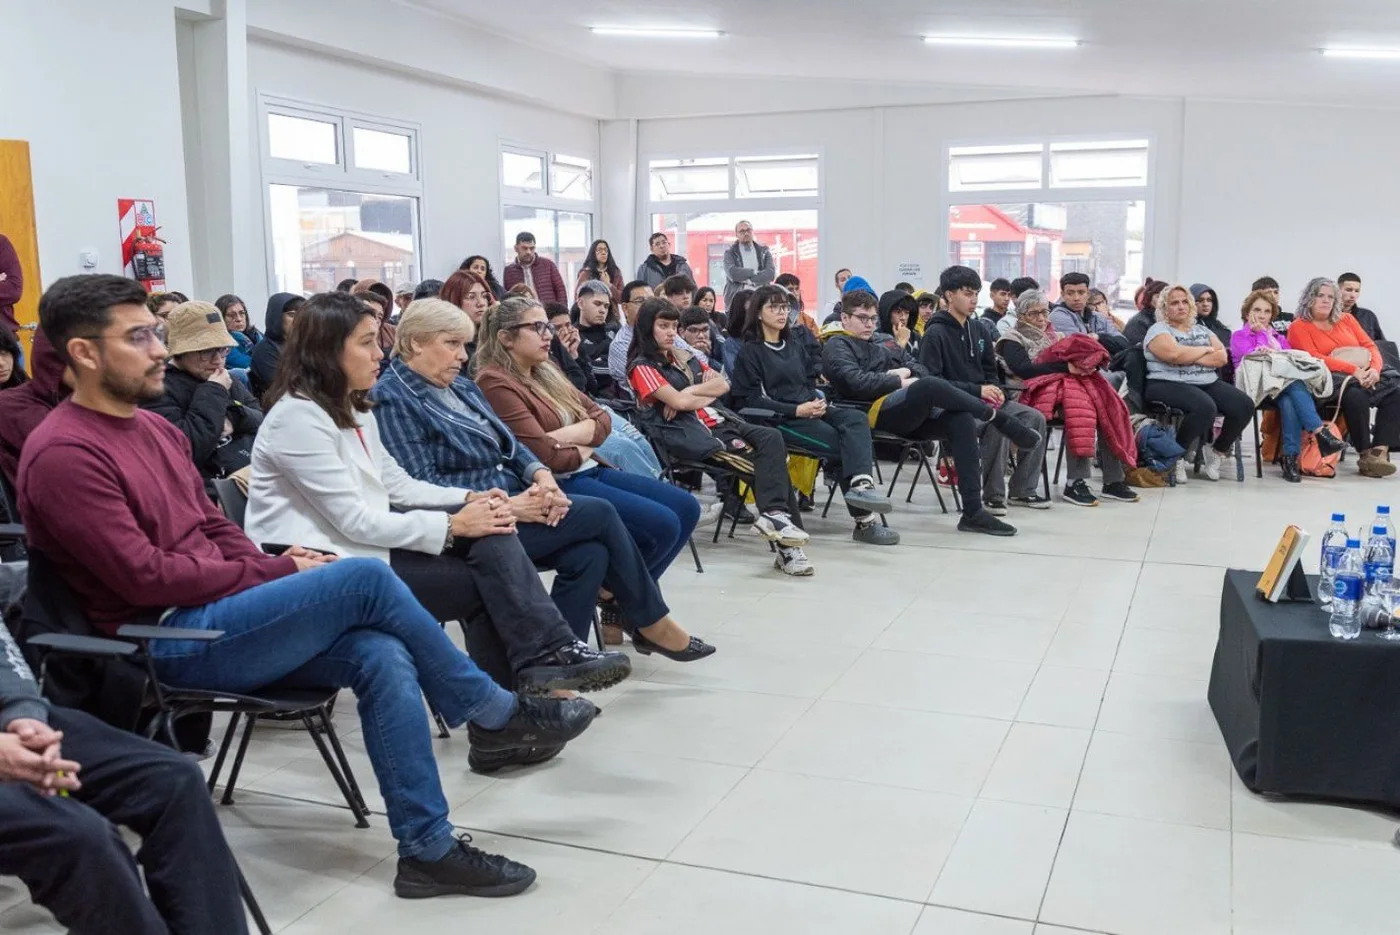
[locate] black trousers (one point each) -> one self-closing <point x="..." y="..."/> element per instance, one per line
<point x="772" y="489"/>
<point x="931" y="408"/>
<point x="76" y="865"/>
<point x="1356" y="406"/>
<point x="515" y="625"/>
<point x="842" y="434"/>
<point x="1201" y="403"/>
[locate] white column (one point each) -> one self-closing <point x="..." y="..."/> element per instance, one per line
<point x="618" y="210"/>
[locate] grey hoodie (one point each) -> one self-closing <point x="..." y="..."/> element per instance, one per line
<point x="19" y="692"/>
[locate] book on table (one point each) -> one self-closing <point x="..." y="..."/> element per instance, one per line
<point x="1283" y="564"/>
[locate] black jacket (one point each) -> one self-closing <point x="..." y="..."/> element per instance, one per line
<point x="1018" y="361"/>
<point x="593" y="346"/>
<point x="857" y="369"/>
<point x="579" y="372"/>
<point x="198" y="408"/>
<point x="959" y="353"/>
<point x="1135" y="329"/>
<point x="772" y="378"/>
<point x="1369" y="322"/>
<point x="268" y="352"/>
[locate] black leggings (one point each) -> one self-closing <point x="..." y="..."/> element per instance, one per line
<point x="1201" y="402"/>
<point x="772" y="491"/>
<point x="930" y="408"/>
<point x="844" y="436"/>
<point x="1356" y="406"/>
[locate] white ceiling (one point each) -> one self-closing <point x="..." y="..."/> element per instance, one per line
<point x="1254" y="49"/>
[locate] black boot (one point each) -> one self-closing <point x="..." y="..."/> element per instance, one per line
<point x="573" y="667"/>
<point x="1327" y="443"/>
<point x="1289" y="464"/>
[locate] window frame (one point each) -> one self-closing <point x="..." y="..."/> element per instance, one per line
<point x="543" y="198"/>
<point x="342" y="176"/>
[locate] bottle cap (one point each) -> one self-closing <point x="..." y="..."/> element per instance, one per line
<point x="1353" y="543"/>
<point x="1383" y="510"/>
<point x="1339" y="517"/>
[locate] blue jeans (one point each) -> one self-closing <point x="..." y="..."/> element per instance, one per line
<point x="659" y="516"/>
<point x="1297" y="413"/>
<point x="352" y="624"/>
<point x="590" y="549"/>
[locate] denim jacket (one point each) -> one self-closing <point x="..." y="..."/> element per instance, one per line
<point x="436" y="444"/>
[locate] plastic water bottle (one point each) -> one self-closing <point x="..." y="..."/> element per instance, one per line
<point x="1334" y="546"/>
<point x="1379" y="561"/>
<point x="1383" y="519"/>
<point x="1346" y="594"/>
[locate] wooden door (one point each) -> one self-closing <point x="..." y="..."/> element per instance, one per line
<point x="17" y="223"/>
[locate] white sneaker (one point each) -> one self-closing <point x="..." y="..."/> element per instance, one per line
<point x="713" y="514"/>
<point x="1181" y="470"/>
<point x="793" y="562"/>
<point x="1210" y="463"/>
<point x="779" y="528"/>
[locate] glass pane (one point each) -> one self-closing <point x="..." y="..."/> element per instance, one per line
<point x="1098" y="165"/>
<point x="378" y="149"/>
<point x="522" y="171"/>
<point x="562" y="236"/>
<point x="321" y="236"/>
<point x="302" y="139"/>
<point x="790" y="235"/>
<point x="574" y="234"/>
<point x="1046" y="240"/>
<point x="689" y="179"/>
<point x="990" y="168"/>
<point x="571" y="177"/>
<point x="776" y="176"/>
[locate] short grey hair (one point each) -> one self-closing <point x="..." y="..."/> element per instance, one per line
<point x="426" y="318"/>
<point x="1161" y="302"/>
<point x="1030" y="299"/>
<point x="593" y="287"/>
<point x="1309" y="295"/>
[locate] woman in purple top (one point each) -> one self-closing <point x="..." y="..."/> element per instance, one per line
<point x="1296" y="410"/>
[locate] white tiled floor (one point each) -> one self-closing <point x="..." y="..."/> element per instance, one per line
<point x="958" y="736"/>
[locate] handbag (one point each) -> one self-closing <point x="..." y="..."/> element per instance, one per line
<point x="1311" y="460"/>
<point x="1356" y="356"/>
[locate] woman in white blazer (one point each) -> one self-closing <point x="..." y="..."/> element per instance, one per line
<point x="321" y="478"/>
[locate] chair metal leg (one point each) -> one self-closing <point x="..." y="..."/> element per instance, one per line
<point x="695" y="553"/>
<point x="927" y="467"/>
<point x="830" y="495"/>
<point x="879" y="476"/>
<point x="352" y="795"/>
<point x="1239" y="461"/>
<point x="898" y="466"/>
<point x="1258" y="448"/>
<point x="741" y="490"/>
<point x="1045" y="477"/>
<point x="237" y="766"/>
<point x="443" y="732"/>
<point x="1059" y="460"/>
<point x="223" y="751"/>
<point x="251" y="902"/>
<point x="598" y="630"/>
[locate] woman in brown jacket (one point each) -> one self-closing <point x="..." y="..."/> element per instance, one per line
<point x="563" y="427"/>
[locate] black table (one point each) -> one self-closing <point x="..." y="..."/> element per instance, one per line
<point x="1303" y="713"/>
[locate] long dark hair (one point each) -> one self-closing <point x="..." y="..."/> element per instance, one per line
<point x="753" y="324"/>
<point x="310" y="365"/>
<point x="492" y="284"/>
<point x="591" y="264"/>
<point x="738" y="312"/>
<point x="10" y="344"/>
<point x="644" y="347"/>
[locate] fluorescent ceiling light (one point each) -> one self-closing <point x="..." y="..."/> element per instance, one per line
<point x="1003" y="42"/>
<point x="1361" y="53"/>
<point x="657" y="33"/>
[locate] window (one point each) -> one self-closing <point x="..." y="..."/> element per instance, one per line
<point x="342" y="192"/>
<point x="781" y="195"/>
<point x="550" y="195"/>
<point x="1030" y="232"/>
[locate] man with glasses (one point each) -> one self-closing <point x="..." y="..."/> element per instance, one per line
<point x="633" y="295"/>
<point x="662" y="264"/>
<point x="216" y="412"/>
<point x="747" y="265"/>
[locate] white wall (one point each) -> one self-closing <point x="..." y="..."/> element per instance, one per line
<point x="883" y="171"/>
<point x="93" y="86"/>
<point x="1270" y="189"/>
<point x="460" y="136"/>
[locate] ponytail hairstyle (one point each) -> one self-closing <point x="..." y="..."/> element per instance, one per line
<point x="544" y="379"/>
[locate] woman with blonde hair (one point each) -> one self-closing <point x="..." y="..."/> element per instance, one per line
<point x="1321" y="328"/>
<point x="1182" y="360"/>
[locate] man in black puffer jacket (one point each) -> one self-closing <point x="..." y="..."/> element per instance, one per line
<point x="215" y="412"/>
<point x="906" y="401"/>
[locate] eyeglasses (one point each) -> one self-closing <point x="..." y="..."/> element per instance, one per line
<point x="778" y="308"/>
<point x="144" y="336"/>
<point x="698" y="330"/>
<point x="744" y="230"/>
<point x="542" y="328"/>
<point x="212" y="354"/>
<point x="866" y="319"/>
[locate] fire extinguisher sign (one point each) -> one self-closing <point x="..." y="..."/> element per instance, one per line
<point x="143" y="258"/>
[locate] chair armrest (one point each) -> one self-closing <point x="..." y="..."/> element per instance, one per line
<point x="11" y="532"/>
<point x="136" y="632"/>
<point x="83" y="645"/>
<point x="754" y="414"/>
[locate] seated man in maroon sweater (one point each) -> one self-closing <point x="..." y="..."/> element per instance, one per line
<point x="109" y="494"/>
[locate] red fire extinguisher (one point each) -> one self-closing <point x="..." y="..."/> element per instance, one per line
<point x="148" y="259"/>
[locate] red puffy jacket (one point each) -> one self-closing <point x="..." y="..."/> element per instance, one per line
<point x="1089" y="404"/>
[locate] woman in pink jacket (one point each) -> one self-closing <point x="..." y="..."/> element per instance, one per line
<point x="1296" y="410"/>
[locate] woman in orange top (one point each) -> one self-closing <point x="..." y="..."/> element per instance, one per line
<point x="1321" y="328"/>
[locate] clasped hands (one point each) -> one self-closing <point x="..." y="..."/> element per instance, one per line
<point x="30" y="752"/>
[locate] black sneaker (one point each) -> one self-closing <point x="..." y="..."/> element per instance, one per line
<point x="1022" y="436"/>
<point x="574" y="667"/>
<point x="1032" y="501"/>
<point x="1079" y="494"/>
<point x="538" y="722"/>
<point x="995" y="506"/>
<point x="1119" y="491"/>
<point x="984" y="522"/>
<point x="487" y="762"/>
<point x="465" y="871"/>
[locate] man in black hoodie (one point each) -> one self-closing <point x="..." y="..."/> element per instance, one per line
<point x="956" y="348"/>
<point x="281" y="309"/>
